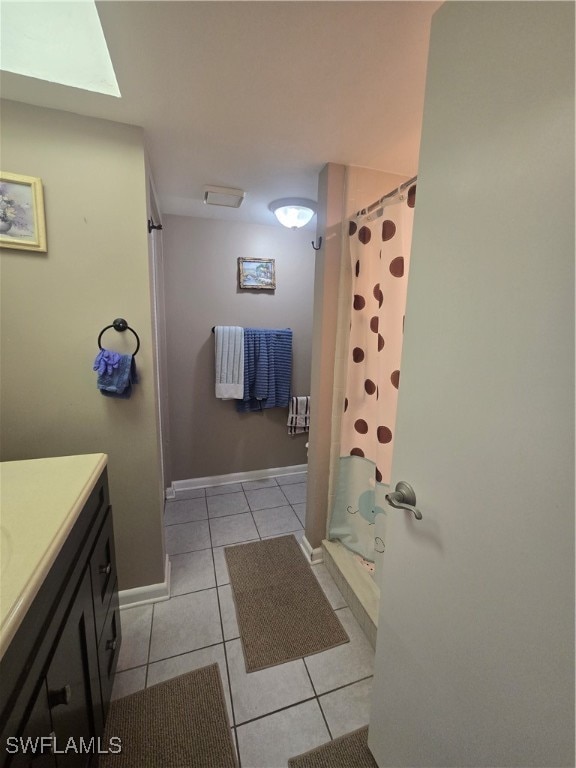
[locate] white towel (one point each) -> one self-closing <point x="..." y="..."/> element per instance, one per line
<point x="229" y="350"/>
<point x="299" y="415"/>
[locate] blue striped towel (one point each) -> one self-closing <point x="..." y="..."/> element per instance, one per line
<point x="267" y="369"/>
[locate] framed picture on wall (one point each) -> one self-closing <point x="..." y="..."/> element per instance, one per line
<point x="257" y="273"/>
<point x="22" y="222"/>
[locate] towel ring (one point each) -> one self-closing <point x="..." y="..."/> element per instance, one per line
<point x="120" y="325"/>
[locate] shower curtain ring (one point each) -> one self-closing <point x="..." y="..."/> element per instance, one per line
<point x="319" y="244"/>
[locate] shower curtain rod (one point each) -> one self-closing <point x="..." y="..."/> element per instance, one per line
<point x="394" y="192"/>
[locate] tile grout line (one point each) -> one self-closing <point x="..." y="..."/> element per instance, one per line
<point x="149" y="647"/>
<point x="286" y="497"/>
<point x="277" y="711"/>
<point x="174" y="656"/>
<point x="234" y="728"/>
<point x="225" y="641"/>
<point x="317" y="698"/>
<point x="252" y="515"/>
<point x="202" y="589"/>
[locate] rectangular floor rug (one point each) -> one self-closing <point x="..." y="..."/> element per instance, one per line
<point x="349" y="751"/>
<point x="179" y="723"/>
<point x="282" y="611"/>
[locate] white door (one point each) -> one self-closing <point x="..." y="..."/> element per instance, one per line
<point x="475" y="650"/>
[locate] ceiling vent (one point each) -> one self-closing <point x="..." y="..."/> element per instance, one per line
<point x="230" y="198"/>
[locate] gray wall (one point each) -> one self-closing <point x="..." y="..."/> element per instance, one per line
<point x="207" y="436"/>
<point x="55" y="304"/>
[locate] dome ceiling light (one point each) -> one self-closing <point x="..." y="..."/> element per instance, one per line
<point x="293" y="212"/>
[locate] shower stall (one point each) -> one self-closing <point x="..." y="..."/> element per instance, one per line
<point x="376" y="236"/>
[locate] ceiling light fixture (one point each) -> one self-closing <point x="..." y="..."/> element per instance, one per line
<point x="293" y="212"/>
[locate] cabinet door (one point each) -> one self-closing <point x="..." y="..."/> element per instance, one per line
<point x="34" y="750"/>
<point x="73" y="684"/>
<point x="103" y="571"/>
<point x="108" y="650"/>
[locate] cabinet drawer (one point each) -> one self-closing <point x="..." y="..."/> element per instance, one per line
<point x="103" y="572"/>
<point x="108" y="650"/>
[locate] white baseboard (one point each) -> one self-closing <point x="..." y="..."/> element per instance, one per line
<point x="233" y="477"/>
<point x="313" y="555"/>
<point x="151" y="593"/>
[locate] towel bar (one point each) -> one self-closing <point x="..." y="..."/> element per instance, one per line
<point x="120" y="325"/>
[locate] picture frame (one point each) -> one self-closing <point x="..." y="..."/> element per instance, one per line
<point x="22" y="220"/>
<point x="257" y="274"/>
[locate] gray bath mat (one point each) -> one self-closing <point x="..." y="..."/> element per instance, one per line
<point x="350" y="751"/>
<point x="282" y="611"/>
<point x="181" y="723"/>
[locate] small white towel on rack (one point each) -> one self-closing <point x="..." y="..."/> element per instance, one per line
<point x="299" y="415"/>
<point x="229" y="351"/>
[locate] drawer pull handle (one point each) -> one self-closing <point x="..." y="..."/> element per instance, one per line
<point x="105" y="569"/>
<point x="111" y="645"/>
<point x="62" y="696"/>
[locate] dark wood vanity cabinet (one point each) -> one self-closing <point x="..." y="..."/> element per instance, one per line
<point x="56" y="676"/>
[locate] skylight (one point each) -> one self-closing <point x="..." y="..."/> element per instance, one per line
<point x="61" y="42"/>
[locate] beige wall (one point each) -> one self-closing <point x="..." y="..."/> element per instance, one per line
<point x="55" y="304"/>
<point x="208" y="437"/>
<point x="331" y="187"/>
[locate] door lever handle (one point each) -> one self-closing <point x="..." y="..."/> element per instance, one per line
<point x="404" y="498"/>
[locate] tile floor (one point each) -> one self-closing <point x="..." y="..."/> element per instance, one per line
<point x="275" y="713"/>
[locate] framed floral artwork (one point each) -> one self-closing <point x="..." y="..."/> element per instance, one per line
<point x="257" y="273"/>
<point x="22" y="222"/>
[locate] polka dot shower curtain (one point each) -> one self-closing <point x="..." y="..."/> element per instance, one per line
<point x="379" y="249"/>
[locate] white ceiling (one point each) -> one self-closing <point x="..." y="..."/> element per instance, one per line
<point x="258" y="95"/>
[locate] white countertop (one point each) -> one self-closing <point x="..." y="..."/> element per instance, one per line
<point x="40" y="500"/>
